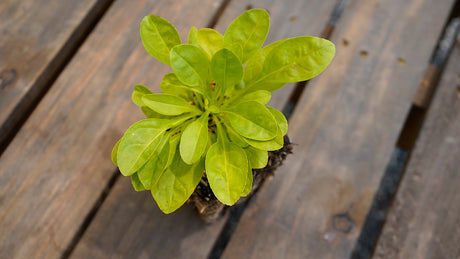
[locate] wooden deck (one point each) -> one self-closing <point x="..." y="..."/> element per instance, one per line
<point x="362" y="181"/>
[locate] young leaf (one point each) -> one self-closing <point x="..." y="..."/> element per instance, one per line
<point x="173" y="144"/>
<point x="115" y="152"/>
<point x="226" y="70"/>
<point x="235" y="137"/>
<point x="257" y="158"/>
<point x="190" y="64"/>
<point x="212" y="138"/>
<point x="269" y="145"/>
<point x="194" y="140"/>
<point x="192" y="40"/>
<point x="226" y="168"/>
<point x="149" y="113"/>
<point x="210" y="41"/>
<point x="296" y="59"/>
<point x="173" y="86"/>
<point x="176" y="184"/>
<point x="255" y="64"/>
<point x="248" y="31"/>
<point x="260" y="96"/>
<point x="158" y="37"/>
<point x="138" y="143"/>
<point x="136" y="183"/>
<point x="168" y="104"/>
<point x="248" y="185"/>
<point x="254" y="67"/>
<point x="280" y="119"/>
<point x="252" y="120"/>
<point x="138" y="92"/>
<point x="152" y="169"/>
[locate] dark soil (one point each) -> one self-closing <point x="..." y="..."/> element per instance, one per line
<point x="210" y="208"/>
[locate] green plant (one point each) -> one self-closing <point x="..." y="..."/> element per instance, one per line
<point x="211" y="116"/>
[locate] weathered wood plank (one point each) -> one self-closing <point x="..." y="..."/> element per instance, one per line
<point x="423" y="221"/>
<point x="37" y="39"/>
<point x="130" y="225"/>
<point x="345" y="128"/>
<point x="187" y="238"/>
<point x="59" y="163"/>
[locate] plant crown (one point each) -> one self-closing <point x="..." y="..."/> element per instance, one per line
<point x="211" y="116"/>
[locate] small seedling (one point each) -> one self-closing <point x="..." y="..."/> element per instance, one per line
<point x="211" y="117"/>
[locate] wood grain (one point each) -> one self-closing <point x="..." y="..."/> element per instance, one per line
<point x="37" y="39"/>
<point x="423" y="221"/>
<point x="345" y="128"/>
<point x="59" y="163"/>
<point x="130" y="225"/>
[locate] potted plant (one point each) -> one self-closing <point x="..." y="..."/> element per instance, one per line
<point x="211" y="124"/>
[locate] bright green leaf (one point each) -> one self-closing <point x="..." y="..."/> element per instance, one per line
<point x="138" y="92"/>
<point x="158" y="37"/>
<point x="192" y="40"/>
<point x="210" y="41"/>
<point x="257" y="158"/>
<point x="149" y="173"/>
<point x="173" y="144"/>
<point x="115" y="151"/>
<point x="248" y="184"/>
<point x="136" y="183"/>
<point x="269" y="145"/>
<point x="190" y="64"/>
<point x="296" y="59"/>
<point x="235" y="137"/>
<point x="280" y="119"/>
<point x="248" y="31"/>
<point x="176" y="184"/>
<point x="226" y="70"/>
<point x="168" y="104"/>
<point x="255" y="64"/>
<point x="194" y="140"/>
<point x="138" y="143"/>
<point x="260" y="96"/>
<point x="173" y="86"/>
<point x="212" y="138"/>
<point x="149" y="113"/>
<point x="252" y="120"/>
<point x="226" y="169"/>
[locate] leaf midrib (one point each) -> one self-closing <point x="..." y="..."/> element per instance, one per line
<point x="283" y="67"/>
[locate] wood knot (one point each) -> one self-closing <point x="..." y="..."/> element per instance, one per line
<point x="458" y="91"/>
<point x="343" y="222"/>
<point x="7" y="77"/>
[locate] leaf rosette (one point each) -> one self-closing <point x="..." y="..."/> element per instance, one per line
<point x="212" y="116"/>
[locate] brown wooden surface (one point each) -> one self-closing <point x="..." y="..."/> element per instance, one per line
<point x="423" y="221"/>
<point x="130" y="225"/>
<point x="345" y="128"/>
<point x="146" y="232"/>
<point x="37" y="36"/>
<point x="59" y="163"/>
<point x="54" y="172"/>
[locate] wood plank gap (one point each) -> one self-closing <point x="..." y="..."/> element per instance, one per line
<point x="237" y="211"/>
<point x="215" y="19"/>
<point x="400" y="157"/>
<point x="90" y="216"/>
<point x="30" y="100"/>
